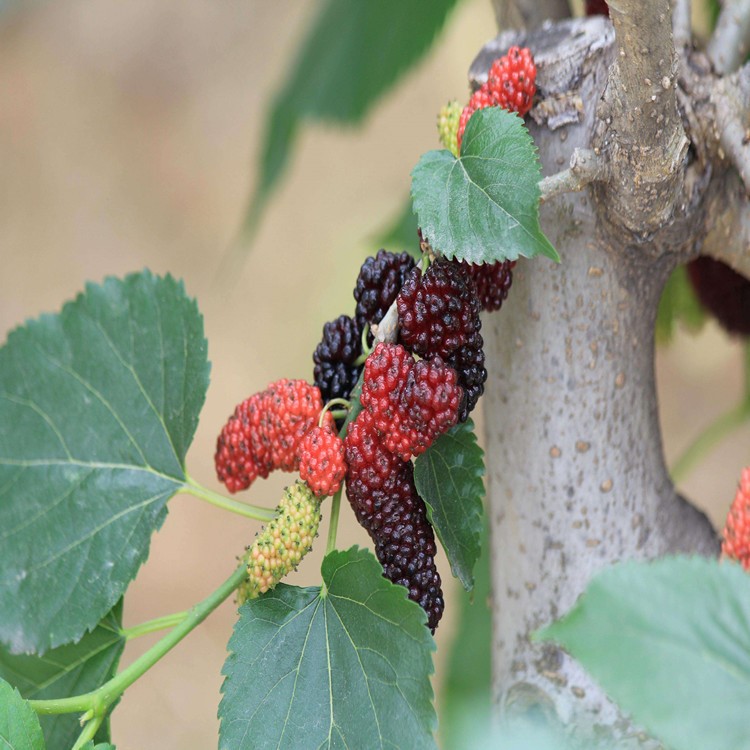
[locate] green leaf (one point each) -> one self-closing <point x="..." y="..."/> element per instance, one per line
<point x="65" y="671"/>
<point x="345" y="666"/>
<point x="678" y="304"/>
<point x="102" y="746"/>
<point x="670" y="642"/>
<point x="448" y="476"/>
<point x="104" y="400"/>
<point x="466" y="689"/>
<point x="354" y="52"/>
<point x="19" y="726"/>
<point x="484" y="206"/>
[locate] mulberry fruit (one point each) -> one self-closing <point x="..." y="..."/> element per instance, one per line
<point x="379" y="281"/>
<point x="511" y="84"/>
<point x="736" y="544"/>
<point x="265" y="431"/>
<point x="335" y="372"/>
<point x="387" y="370"/>
<point x="723" y="292"/>
<point x="439" y="311"/>
<point x="396" y="519"/>
<point x="448" y="119"/>
<point x="410" y="404"/>
<point x="468" y="361"/>
<point x="512" y="80"/>
<point x="597" y="8"/>
<point x="281" y="545"/>
<point x="321" y="461"/>
<point x="241" y="456"/>
<point x="492" y="282"/>
<point x="371" y="468"/>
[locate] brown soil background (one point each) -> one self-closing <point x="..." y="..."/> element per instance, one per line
<point x="129" y="134"/>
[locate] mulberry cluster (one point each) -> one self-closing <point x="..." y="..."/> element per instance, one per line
<point x="378" y="284"/>
<point x="281" y="545"/>
<point x="723" y="292"/>
<point x="380" y="487"/>
<point x="335" y="371"/>
<point x="265" y="432"/>
<point x="736" y="543"/>
<point x="511" y="84"/>
<point x="439" y="316"/>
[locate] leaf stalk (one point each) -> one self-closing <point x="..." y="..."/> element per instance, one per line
<point x="98" y="701"/>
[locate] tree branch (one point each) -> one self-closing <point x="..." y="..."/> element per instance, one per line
<point x="528" y="14"/>
<point x="682" y="28"/>
<point x="585" y="167"/>
<point x="731" y="99"/>
<point x="646" y="142"/>
<point x="730" y="42"/>
<point x="728" y="239"/>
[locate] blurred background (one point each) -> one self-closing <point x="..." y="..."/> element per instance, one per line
<point x="129" y="138"/>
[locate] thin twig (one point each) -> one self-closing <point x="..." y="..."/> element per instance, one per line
<point x="730" y="42"/>
<point x="585" y="167"/>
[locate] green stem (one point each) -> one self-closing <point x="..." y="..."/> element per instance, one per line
<point x="226" y="503"/>
<point x="334" y="402"/>
<point x="89" y="731"/>
<point x="99" y="700"/>
<point x="334" y="522"/>
<point x="152" y="626"/>
<point x="709" y="439"/>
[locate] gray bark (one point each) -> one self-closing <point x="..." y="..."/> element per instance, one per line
<point x="576" y="473"/>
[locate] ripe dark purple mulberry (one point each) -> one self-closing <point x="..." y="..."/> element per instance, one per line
<point x="335" y="372"/>
<point x="381" y="490"/>
<point x="468" y="362"/>
<point x="492" y="282"/>
<point x="379" y="282"/>
<point x="437" y="312"/>
<point x="723" y="292"/>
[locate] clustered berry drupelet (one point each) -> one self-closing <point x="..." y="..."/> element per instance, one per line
<point x="336" y="371"/>
<point x="437" y="311"/>
<point x="723" y="292"/>
<point x="321" y="461"/>
<point x="439" y="316"/>
<point x="265" y="432"/>
<point x="492" y="282"/>
<point x="281" y="545"/>
<point x="447" y="124"/>
<point x="378" y="283"/>
<point x="380" y="487"/>
<point x="736" y="536"/>
<point x="510" y="84"/>
<point x="411" y="403"/>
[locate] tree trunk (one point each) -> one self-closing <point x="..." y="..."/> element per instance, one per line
<point x="576" y="473"/>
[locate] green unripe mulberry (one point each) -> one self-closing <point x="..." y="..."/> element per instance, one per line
<point x="447" y="125"/>
<point x="281" y="545"/>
